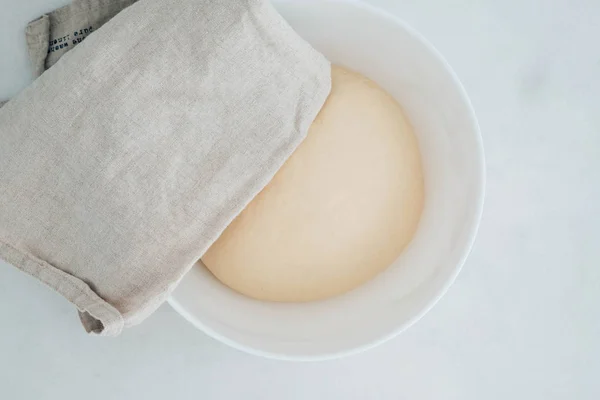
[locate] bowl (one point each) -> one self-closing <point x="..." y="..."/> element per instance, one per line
<point x="386" y="50"/>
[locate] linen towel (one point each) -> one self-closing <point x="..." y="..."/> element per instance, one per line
<point x="125" y="161"/>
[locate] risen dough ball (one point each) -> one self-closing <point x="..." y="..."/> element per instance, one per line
<point x="339" y="211"/>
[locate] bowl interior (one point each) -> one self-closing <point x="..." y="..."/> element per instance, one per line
<point x="384" y="49"/>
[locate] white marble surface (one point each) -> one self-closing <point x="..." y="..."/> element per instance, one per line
<point x="521" y="322"/>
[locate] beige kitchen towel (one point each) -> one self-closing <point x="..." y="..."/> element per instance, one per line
<point x="122" y="163"/>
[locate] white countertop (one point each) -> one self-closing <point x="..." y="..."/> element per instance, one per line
<point x="521" y="322"/>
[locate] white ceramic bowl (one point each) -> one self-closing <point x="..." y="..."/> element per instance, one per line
<point x="400" y="60"/>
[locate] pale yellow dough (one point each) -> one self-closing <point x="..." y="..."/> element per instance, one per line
<point x="341" y="209"/>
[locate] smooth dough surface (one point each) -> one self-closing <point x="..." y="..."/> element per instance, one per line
<point x="340" y="210"/>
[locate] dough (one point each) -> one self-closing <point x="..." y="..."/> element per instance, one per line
<point x="339" y="211"/>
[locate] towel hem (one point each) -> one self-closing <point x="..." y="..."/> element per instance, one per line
<point x="97" y="316"/>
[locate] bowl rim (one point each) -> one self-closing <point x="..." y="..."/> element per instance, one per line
<point x="472" y="230"/>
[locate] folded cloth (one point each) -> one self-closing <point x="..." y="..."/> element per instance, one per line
<point x="53" y="34"/>
<point x="124" y="162"/>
